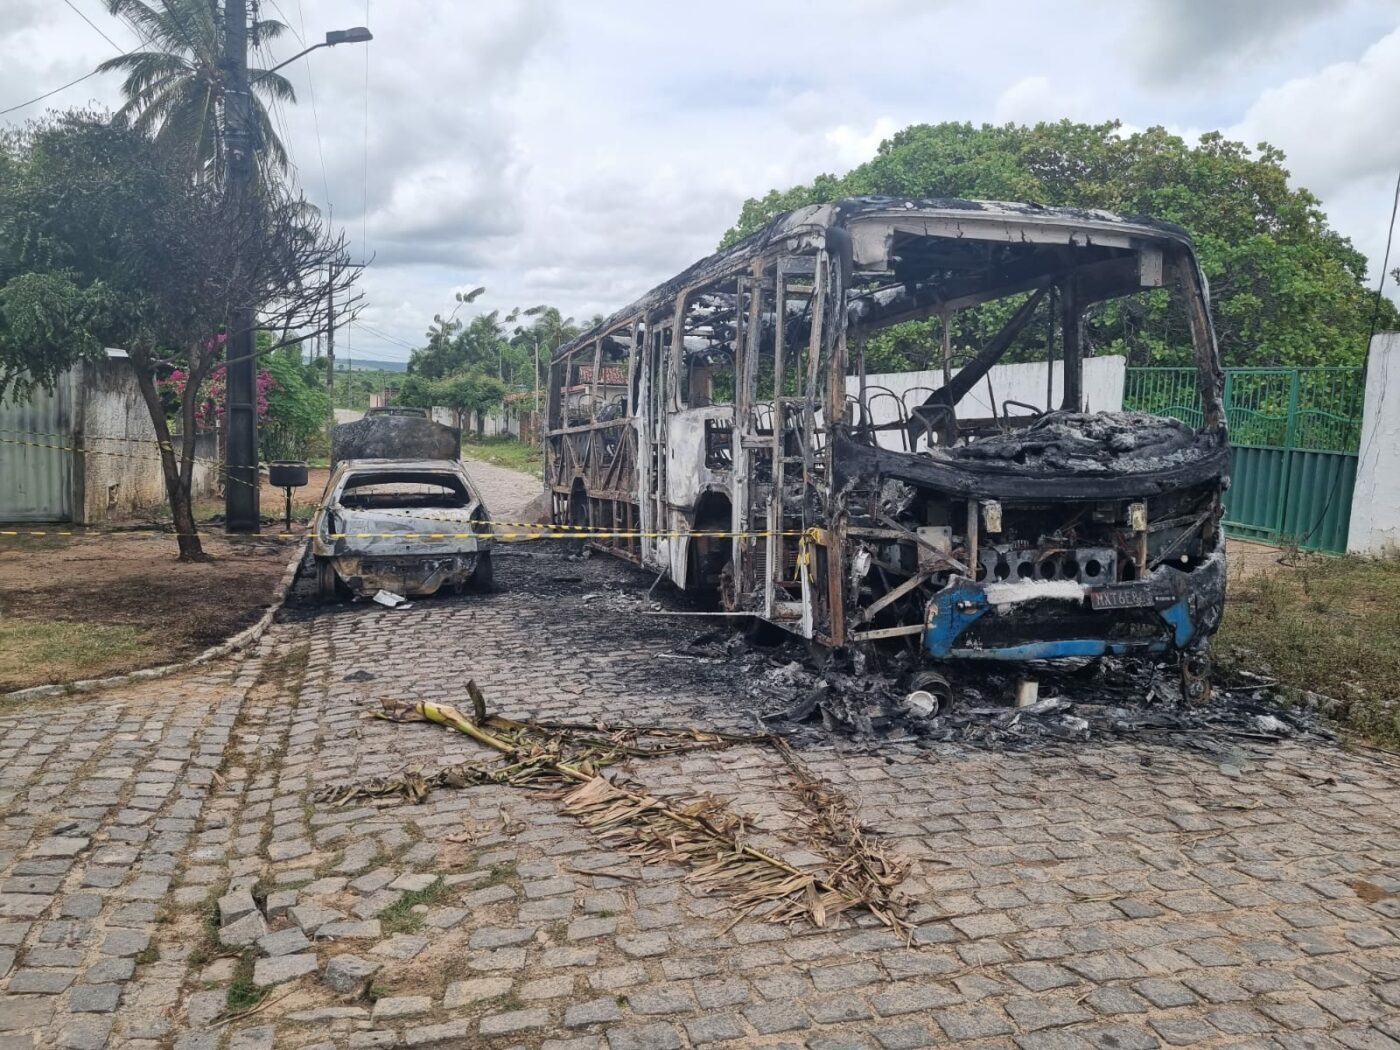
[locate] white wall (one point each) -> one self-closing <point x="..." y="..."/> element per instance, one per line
<point x="1103" y="390"/>
<point x="1375" y="501"/>
<point x="348" y="415"/>
<point x="122" y="473"/>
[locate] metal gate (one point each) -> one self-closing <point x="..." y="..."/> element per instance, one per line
<point x="1294" y="434"/>
<point x="36" y="466"/>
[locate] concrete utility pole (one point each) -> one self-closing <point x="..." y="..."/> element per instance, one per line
<point x="241" y="485"/>
<point x="330" y="341"/>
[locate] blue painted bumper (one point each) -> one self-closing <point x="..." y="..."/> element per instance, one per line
<point x="1186" y="607"/>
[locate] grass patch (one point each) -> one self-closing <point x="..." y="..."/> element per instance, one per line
<point x="243" y="994"/>
<point x="62" y="650"/>
<point x="504" y="452"/>
<point x="498" y="874"/>
<point x="1330" y="625"/>
<point x="207" y="944"/>
<point x="400" y="917"/>
<point x="148" y="954"/>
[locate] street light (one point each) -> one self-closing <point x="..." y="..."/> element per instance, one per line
<point x="354" y="35"/>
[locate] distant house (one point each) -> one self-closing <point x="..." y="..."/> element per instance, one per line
<point x="582" y="399"/>
<point x="86" y="452"/>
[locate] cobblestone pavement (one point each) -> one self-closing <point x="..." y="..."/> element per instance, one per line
<point x="1113" y="896"/>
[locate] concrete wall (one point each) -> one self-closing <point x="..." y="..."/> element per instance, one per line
<point x="348" y="415"/>
<point x="500" y="421"/>
<point x="1375" y="501"/>
<point x="1103" y="390"/>
<point x="121" y="472"/>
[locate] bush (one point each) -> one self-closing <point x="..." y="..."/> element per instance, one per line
<point x="298" y="408"/>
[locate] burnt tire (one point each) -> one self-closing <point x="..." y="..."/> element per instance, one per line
<point x="327" y="585"/>
<point x="484" y="575"/>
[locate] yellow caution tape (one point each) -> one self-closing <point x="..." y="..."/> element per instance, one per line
<point x="164" y="446"/>
<point x="538" y="532"/>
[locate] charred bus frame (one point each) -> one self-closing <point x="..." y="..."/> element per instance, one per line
<point x="733" y="398"/>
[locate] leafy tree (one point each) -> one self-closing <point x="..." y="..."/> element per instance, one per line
<point x="480" y="343"/>
<point x="105" y="240"/>
<point x="298" y="405"/>
<point x="536" y="342"/>
<point x="176" y="88"/>
<point x="1286" y="288"/>
<point x="471" y="391"/>
<point x="467" y="390"/>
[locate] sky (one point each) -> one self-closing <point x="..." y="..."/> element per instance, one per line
<point x="578" y="154"/>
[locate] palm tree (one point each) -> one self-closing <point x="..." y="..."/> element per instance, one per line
<point x="176" y="89"/>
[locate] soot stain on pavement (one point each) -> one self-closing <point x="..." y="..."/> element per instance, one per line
<point x="814" y="698"/>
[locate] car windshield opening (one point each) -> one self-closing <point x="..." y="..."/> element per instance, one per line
<point x="404" y="489"/>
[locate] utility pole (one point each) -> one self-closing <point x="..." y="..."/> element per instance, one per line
<point x="330" y="336"/>
<point x="241" y="485"/>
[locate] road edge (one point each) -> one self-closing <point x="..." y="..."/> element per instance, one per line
<point x="244" y="638"/>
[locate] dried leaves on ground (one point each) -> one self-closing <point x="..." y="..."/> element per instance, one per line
<point x="701" y="832"/>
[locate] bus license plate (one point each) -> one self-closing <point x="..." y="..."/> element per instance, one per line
<point x="1129" y="597"/>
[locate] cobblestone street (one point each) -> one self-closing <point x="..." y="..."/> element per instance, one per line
<point x="1116" y="896"/>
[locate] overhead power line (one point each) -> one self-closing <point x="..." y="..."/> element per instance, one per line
<point x="94" y="25"/>
<point x="48" y="94"/>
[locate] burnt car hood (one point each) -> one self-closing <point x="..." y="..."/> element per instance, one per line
<point x="1064" y="455"/>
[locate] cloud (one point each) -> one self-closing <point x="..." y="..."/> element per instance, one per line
<point x="1181" y="39"/>
<point x="1336" y="125"/>
<point x="579" y="154"/>
<point x="852" y="147"/>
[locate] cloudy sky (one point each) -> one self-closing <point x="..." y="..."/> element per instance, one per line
<point x="578" y="153"/>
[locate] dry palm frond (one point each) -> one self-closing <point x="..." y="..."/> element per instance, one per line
<point x="700" y="832"/>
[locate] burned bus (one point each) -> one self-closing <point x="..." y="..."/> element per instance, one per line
<point x="722" y="430"/>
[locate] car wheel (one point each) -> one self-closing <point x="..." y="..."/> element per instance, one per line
<point x="483" y="576"/>
<point x="326" y="588"/>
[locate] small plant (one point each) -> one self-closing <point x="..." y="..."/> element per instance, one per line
<point x="243" y="994"/>
<point x="498" y="874"/>
<point x="148" y="954"/>
<point x="207" y="945"/>
<point x="400" y="917"/>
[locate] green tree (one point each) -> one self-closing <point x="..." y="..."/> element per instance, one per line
<point x="175" y="90"/>
<point x="546" y="332"/>
<point x="471" y="390"/>
<point x="1286" y="288"/>
<point x="468" y="390"/>
<point x="297" y="404"/>
<point x="105" y="240"/>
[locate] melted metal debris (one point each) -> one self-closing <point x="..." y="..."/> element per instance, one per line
<point x="1080" y="702"/>
<point x="1088" y="442"/>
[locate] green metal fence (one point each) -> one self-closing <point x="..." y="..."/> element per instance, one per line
<point x="1293" y="442"/>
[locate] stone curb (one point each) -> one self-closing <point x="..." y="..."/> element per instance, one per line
<point x="241" y="640"/>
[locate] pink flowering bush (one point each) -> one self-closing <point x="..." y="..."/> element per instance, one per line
<point x="209" y="405"/>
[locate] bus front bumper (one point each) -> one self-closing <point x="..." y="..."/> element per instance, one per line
<point x="1171" y="610"/>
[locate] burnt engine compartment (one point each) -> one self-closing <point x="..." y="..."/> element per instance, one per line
<point x="1083" y="443"/>
<point x="910" y="537"/>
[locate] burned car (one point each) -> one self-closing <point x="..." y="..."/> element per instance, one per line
<point x="408" y="526"/>
<point x="725" y="429"/>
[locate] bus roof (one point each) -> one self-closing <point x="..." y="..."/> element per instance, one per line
<point x="851" y="210"/>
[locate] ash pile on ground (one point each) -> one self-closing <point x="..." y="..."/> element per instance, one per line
<point x="815" y="701"/>
<point x="803" y="697"/>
